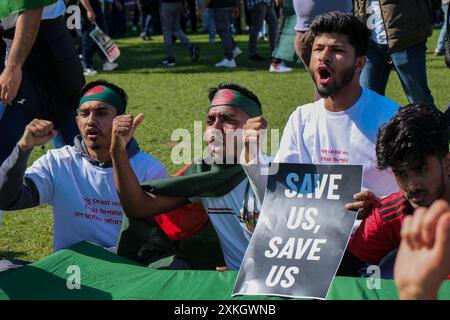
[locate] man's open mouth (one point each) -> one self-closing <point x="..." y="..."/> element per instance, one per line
<point x="92" y="133"/>
<point x="325" y="75"/>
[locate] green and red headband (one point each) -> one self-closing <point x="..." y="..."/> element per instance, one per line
<point x="233" y="98"/>
<point x="104" y="94"/>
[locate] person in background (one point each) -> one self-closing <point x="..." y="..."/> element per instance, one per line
<point x="170" y="11"/>
<point x="92" y="15"/>
<point x="222" y="11"/>
<point x="42" y="77"/>
<point x="440" y="46"/>
<point x="399" y="32"/>
<point x="284" y="50"/>
<point x="146" y="10"/>
<point x="261" y="10"/>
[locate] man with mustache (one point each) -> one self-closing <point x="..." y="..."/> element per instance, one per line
<point x="341" y="127"/>
<point x="77" y="181"/>
<point x="414" y="145"/>
<point x="218" y="182"/>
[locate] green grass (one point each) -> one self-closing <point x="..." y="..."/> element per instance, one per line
<point x="176" y="97"/>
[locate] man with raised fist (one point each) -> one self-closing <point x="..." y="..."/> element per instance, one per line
<point x="77" y="181"/>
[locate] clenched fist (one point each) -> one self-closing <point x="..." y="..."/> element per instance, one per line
<point x="37" y="132"/>
<point x="252" y="137"/>
<point x="123" y="129"/>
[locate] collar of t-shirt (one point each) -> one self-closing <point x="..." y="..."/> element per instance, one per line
<point x="347" y="112"/>
<point x="80" y="146"/>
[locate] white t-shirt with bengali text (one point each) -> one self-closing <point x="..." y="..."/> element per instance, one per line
<point x="375" y="22"/>
<point x="85" y="203"/>
<point x="225" y="214"/>
<point x="316" y="135"/>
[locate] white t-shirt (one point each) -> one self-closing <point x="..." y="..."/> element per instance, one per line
<point x="233" y="228"/>
<point x="84" y="198"/>
<point x="316" y="135"/>
<point x="375" y="22"/>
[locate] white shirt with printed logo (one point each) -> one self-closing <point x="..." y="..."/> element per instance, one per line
<point x="316" y="135"/>
<point x="225" y="214"/>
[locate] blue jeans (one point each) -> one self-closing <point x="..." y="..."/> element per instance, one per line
<point x="410" y="65"/>
<point x="209" y="24"/>
<point x="441" y="40"/>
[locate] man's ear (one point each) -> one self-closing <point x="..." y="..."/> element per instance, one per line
<point x="446" y="163"/>
<point x="360" y="63"/>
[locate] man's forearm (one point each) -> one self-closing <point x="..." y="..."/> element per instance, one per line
<point x="257" y="176"/>
<point x="27" y="29"/>
<point x="87" y="5"/>
<point x="136" y="202"/>
<point x="17" y="192"/>
<point x="127" y="184"/>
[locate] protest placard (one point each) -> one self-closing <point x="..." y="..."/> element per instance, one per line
<point x="302" y="232"/>
<point x="105" y="43"/>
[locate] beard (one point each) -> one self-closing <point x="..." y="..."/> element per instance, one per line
<point x="332" y="89"/>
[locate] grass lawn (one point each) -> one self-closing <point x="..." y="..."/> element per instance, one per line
<point x="176" y="97"/>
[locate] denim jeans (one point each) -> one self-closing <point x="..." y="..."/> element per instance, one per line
<point x="441" y="40"/>
<point x="209" y="24"/>
<point x="262" y="12"/>
<point x="222" y="20"/>
<point x="410" y="65"/>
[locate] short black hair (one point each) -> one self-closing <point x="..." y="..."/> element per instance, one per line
<point x="414" y="133"/>
<point x="234" y="86"/>
<point x="343" y="23"/>
<point x="123" y="95"/>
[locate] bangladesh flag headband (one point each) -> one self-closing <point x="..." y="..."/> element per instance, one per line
<point x="233" y="98"/>
<point x="105" y="94"/>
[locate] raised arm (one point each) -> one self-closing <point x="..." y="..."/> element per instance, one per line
<point x="136" y="202"/>
<point x="16" y="190"/>
<point x="254" y="164"/>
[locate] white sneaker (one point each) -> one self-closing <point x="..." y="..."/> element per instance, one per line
<point x="236" y="52"/>
<point x="225" y="63"/>
<point x="89" y="72"/>
<point x="280" y="67"/>
<point x="110" y="66"/>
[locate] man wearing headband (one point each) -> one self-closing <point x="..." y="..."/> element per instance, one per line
<point x="219" y="185"/>
<point x="77" y="181"/>
<point x="340" y="128"/>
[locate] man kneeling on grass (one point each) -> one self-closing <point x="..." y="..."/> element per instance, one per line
<point x="414" y="145"/>
<point x="77" y="181"/>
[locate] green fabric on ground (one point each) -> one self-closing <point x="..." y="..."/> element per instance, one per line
<point x="107" y="276"/>
<point x="8" y="7"/>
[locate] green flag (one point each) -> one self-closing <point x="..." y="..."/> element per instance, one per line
<point x="8" y="7"/>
